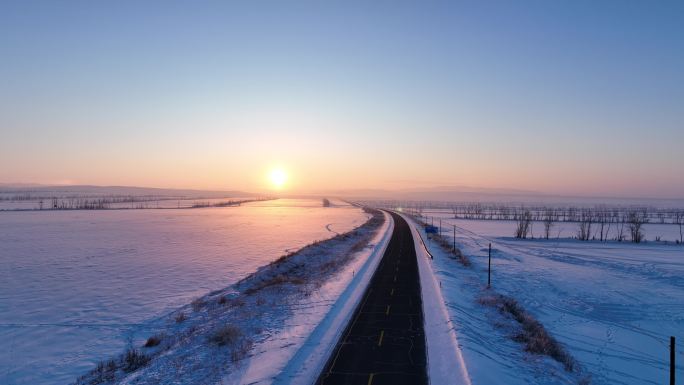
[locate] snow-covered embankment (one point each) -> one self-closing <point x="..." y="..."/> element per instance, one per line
<point x="248" y="332"/>
<point x="498" y="340"/>
<point x="445" y="360"/>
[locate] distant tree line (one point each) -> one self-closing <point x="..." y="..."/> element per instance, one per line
<point x="593" y="222"/>
<point x="600" y="220"/>
<point x="114" y="202"/>
<point x="107" y="199"/>
<point x="227" y="203"/>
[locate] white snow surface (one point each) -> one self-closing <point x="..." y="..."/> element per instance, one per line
<point x="668" y="232"/>
<point x="612" y="305"/>
<point x="273" y="310"/>
<point x="444" y="357"/>
<point x="78" y="286"/>
<point x="330" y="321"/>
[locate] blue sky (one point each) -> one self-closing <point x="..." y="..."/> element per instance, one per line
<point x="573" y="97"/>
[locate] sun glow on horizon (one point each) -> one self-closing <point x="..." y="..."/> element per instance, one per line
<point x="277" y="177"/>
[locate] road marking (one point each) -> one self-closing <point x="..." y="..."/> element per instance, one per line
<point x="370" y="379"/>
<point x="382" y="334"/>
<point x="395" y="278"/>
<point x="392" y="292"/>
<point x="387" y="311"/>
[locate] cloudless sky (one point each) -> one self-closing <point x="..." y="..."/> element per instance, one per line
<point x="571" y="97"/>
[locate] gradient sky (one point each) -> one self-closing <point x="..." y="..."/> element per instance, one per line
<point x="571" y="97"/>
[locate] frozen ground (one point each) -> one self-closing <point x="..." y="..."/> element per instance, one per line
<point x="668" y="232"/>
<point x="114" y="197"/>
<point x="76" y="285"/>
<point x="136" y="203"/>
<point x="613" y="305"/>
<point x="269" y="315"/>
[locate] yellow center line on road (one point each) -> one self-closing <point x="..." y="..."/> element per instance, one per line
<point x="382" y="334"/>
<point x="370" y="378"/>
<point x="387" y="311"/>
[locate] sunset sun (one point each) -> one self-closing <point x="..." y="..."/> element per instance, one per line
<point x="277" y="177"/>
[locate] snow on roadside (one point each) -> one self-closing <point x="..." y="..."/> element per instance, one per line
<point x="612" y="304"/>
<point x="310" y="359"/>
<point x="445" y="360"/>
<point x="484" y="335"/>
<point x="248" y="331"/>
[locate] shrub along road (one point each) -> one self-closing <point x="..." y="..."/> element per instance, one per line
<point x="385" y="341"/>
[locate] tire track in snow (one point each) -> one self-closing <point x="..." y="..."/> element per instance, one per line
<point x="327" y="227"/>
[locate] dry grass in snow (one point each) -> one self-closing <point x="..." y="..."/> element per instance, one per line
<point x="532" y="334"/>
<point x="205" y="340"/>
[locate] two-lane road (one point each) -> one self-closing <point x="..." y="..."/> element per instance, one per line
<point x="385" y="342"/>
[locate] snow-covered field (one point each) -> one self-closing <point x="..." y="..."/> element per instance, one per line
<point x="668" y="232"/>
<point x="140" y="203"/>
<point x="246" y="332"/>
<point x="75" y="286"/>
<point x="612" y="305"/>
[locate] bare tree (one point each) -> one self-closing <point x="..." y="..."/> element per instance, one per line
<point x="679" y="220"/>
<point x="523" y="224"/>
<point x="603" y="218"/>
<point x="609" y="219"/>
<point x="620" y="225"/>
<point x="635" y="220"/>
<point x="548" y="222"/>
<point x="586" y="217"/>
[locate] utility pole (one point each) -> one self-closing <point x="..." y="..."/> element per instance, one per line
<point x="489" y="270"/>
<point x="672" y="360"/>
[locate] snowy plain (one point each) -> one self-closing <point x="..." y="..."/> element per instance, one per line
<point x="667" y="232"/>
<point x="136" y="203"/>
<point x="613" y="305"/>
<point x="78" y="286"/>
<point x="269" y="315"/>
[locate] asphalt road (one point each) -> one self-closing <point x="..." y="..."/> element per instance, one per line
<point x="385" y="342"/>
